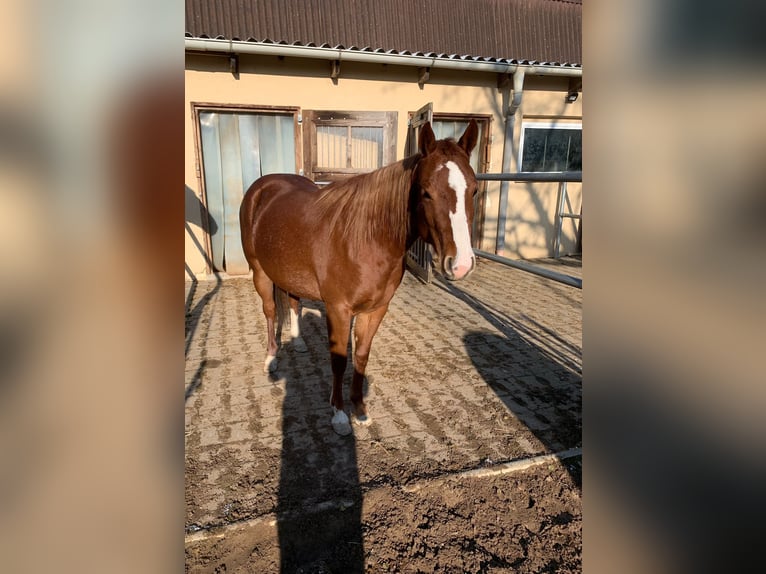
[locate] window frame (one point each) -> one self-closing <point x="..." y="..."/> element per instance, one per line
<point x="484" y="120"/>
<point x="547" y="125"/>
<point x="350" y="119"/>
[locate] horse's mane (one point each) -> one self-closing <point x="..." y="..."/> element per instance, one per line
<point x="370" y="205"/>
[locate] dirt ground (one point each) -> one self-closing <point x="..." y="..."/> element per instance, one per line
<point x="525" y="522"/>
<point x="459" y="381"/>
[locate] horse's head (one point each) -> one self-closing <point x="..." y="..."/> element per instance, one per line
<point x="445" y="185"/>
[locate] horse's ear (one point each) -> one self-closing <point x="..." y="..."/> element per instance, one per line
<point x="469" y="138"/>
<point x="426" y="139"/>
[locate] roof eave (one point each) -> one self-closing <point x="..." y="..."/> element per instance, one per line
<point x="453" y="62"/>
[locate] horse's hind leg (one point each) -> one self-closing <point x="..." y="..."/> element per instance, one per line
<point x="265" y="288"/>
<point x="338" y="328"/>
<point x="364" y="330"/>
<point x="295" y="326"/>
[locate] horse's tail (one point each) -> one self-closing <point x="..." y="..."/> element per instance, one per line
<point x="282" y="300"/>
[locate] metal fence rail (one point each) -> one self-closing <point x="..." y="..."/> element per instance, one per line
<point x="533" y="176"/>
<point x="528" y="267"/>
<point x="560" y="177"/>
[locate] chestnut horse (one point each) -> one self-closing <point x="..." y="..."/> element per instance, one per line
<point x="346" y="245"/>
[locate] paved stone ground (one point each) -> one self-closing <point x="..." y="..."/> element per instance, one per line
<point x="461" y="375"/>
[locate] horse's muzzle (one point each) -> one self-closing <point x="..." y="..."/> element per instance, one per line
<point x="454" y="271"/>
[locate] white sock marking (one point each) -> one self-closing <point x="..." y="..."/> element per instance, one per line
<point x="340" y="422"/>
<point x="295" y="328"/>
<point x="459" y="218"/>
<point x="339" y="416"/>
<point x="270" y="364"/>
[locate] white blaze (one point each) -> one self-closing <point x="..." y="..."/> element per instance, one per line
<point x="459" y="218"/>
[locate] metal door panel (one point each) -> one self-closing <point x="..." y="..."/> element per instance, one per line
<point x="211" y="159"/>
<point x="231" y="161"/>
<point x="419" y="256"/>
<point x="237" y="149"/>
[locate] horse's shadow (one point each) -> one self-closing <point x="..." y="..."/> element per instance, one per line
<point x="320" y="499"/>
<point x="532" y="370"/>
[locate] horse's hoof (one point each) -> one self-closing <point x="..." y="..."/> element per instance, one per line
<point x="270" y="364"/>
<point x="362" y="420"/>
<point x="340" y="423"/>
<point x="299" y="345"/>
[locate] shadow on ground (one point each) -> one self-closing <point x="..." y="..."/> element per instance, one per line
<point x="320" y="498"/>
<point x="532" y="370"/>
<point x="197" y="213"/>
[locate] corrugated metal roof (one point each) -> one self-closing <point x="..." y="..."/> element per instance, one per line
<point x="534" y="31"/>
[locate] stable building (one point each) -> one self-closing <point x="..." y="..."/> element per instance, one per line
<point x="328" y="89"/>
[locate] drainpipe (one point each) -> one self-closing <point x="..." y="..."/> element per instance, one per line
<point x="508" y="153"/>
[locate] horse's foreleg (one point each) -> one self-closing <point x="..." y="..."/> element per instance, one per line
<point x="295" y="326"/>
<point x="364" y="330"/>
<point x="265" y="288"/>
<point x="338" y="328"/>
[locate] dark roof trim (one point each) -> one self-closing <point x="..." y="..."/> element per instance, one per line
<point x="528" y="30"/>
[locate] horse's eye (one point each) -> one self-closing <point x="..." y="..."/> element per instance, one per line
<point x="426" y="195"/>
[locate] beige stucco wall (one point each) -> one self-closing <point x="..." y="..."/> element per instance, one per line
<point x="269" y="81"/>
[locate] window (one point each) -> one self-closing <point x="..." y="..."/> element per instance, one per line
<point x="447" y="125"/>
<point x="341" y="144"/>
<point x="454" y="127"/>
<point x="551" y="147"/>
